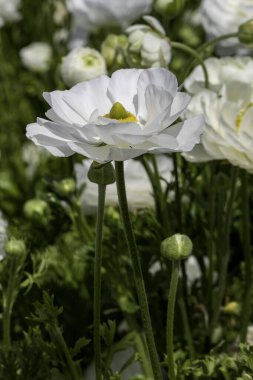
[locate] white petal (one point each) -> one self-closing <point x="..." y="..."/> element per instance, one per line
<point x="155" y="24"/>
<point x="88" y="96"/>
<point x="61" y="109"/>
<point x="156" y="76"/>
<point x="123" y="88"/>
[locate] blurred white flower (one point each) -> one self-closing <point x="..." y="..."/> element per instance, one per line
<point x="9" y="11"/>
<point x="3" y="235"/>
<point x="223" y="17"/>
<point x="138" y="186"/>
<point x="32" y="157"/>
<point x="249" y="337"/>
<point x="36" y="56"/>
<point x="118" y="118"/>
<point x="60" y="12"/>
<point x="148" y="45"/>
<point x="94" y="14"/>
<point x="82" y="64"/>
<point x="78" y="37"/>
<point x="228" y="110"/>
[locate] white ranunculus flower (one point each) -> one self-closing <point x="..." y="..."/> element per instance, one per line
<point x="82" y="64"/>
<point x="118" y="118"/>
<point x="3" y="234"/>
<point x="223" y="17"/>
<point x="139" y="189"/>
<point x="94" y="14"/>
<point x="228" y="110"/>
<point x="148" y="45"/>
<point x="36" y="56"/>
<point x="9" y="11"/>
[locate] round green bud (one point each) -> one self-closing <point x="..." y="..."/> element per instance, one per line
<point x="15" y="247"/>
<point x="169" y="8"/>
<point x="245" y="33"/>
<point x="118" y="112"/>
<point x="176" y="247"/>
<point x="101" y="174"/>
<point x="35" y="208"/>
<point x="113" y="50"/>
<point x="66" y="187"/>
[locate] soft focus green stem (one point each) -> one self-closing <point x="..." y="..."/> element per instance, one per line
<point x="246" y="307"/>
<point x="187" y="49"/>
<point x="187" y="329"/>
<point x="56" y="332"/>
<point x="170" y="318"/>
<point x="211" y="238"/>
<point x="138" y="277"/>
<point x="97" y="281"/>
<point x="224" y="258"/>
<point x="8" y="301"/>
<point x="203" y="47"/>
<point x="162" y="200"/>
<point x="177" y="192"/>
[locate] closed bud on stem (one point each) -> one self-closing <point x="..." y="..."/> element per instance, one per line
<point x="170" y="8"/>
<point x="245" y="33"/>
<point x="102" y="174"/>
<point x="66" y="187"/>
<point x="114" y="49"/>
<point x="36" y="209"/>
<point x="176" y="247"/>
<point x="15" y="247"/>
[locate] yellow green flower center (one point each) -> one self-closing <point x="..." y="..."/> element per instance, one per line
<point x="240" y="116"/>
<point x="90" y="60"/>
<point x="119" y="113"/>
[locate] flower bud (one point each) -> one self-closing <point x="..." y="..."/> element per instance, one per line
<point x="102" y="174"/>
<point x="114" y="49"/>
<point x="245" y="33"/>
<point x="15" y="247"/>
<point x="82" y="64"/>
<point x="66" y="187"/>
<point x="169" y="8"/>
<point x="176" y="247"/>
<point x="36" y="56"/>
<point x="148" y="45"/>
<point x="35" y="209"/>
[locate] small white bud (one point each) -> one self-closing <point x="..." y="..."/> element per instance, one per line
<point x="82" y="64"/>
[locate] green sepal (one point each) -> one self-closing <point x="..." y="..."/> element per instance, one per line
<point x="102" y="174"/>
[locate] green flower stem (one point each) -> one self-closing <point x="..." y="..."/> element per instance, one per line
<point x="211" y="238"/>
<point x="97" y="281"/>
<point x="246" y="308"/>
<point x="56" y="334"/>
<point x="196" y="55"/>
<point x="224" y="259"/>
<point x="8" y="301"/>
<point x="161" y="197"/>
<point x="138" y="277"/>
<point x="205" y="46"/>
<point x="187" y="329"/>
<point x="170" y="318"/>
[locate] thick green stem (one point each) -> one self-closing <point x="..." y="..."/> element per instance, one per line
<point x="224" y="258"/>
<point x="170" y="318"/>
<point x="246" y="308"/>
<point x="97" y="281"/>
<point x="138" y="277"/>
<point x="187" y="49"/>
